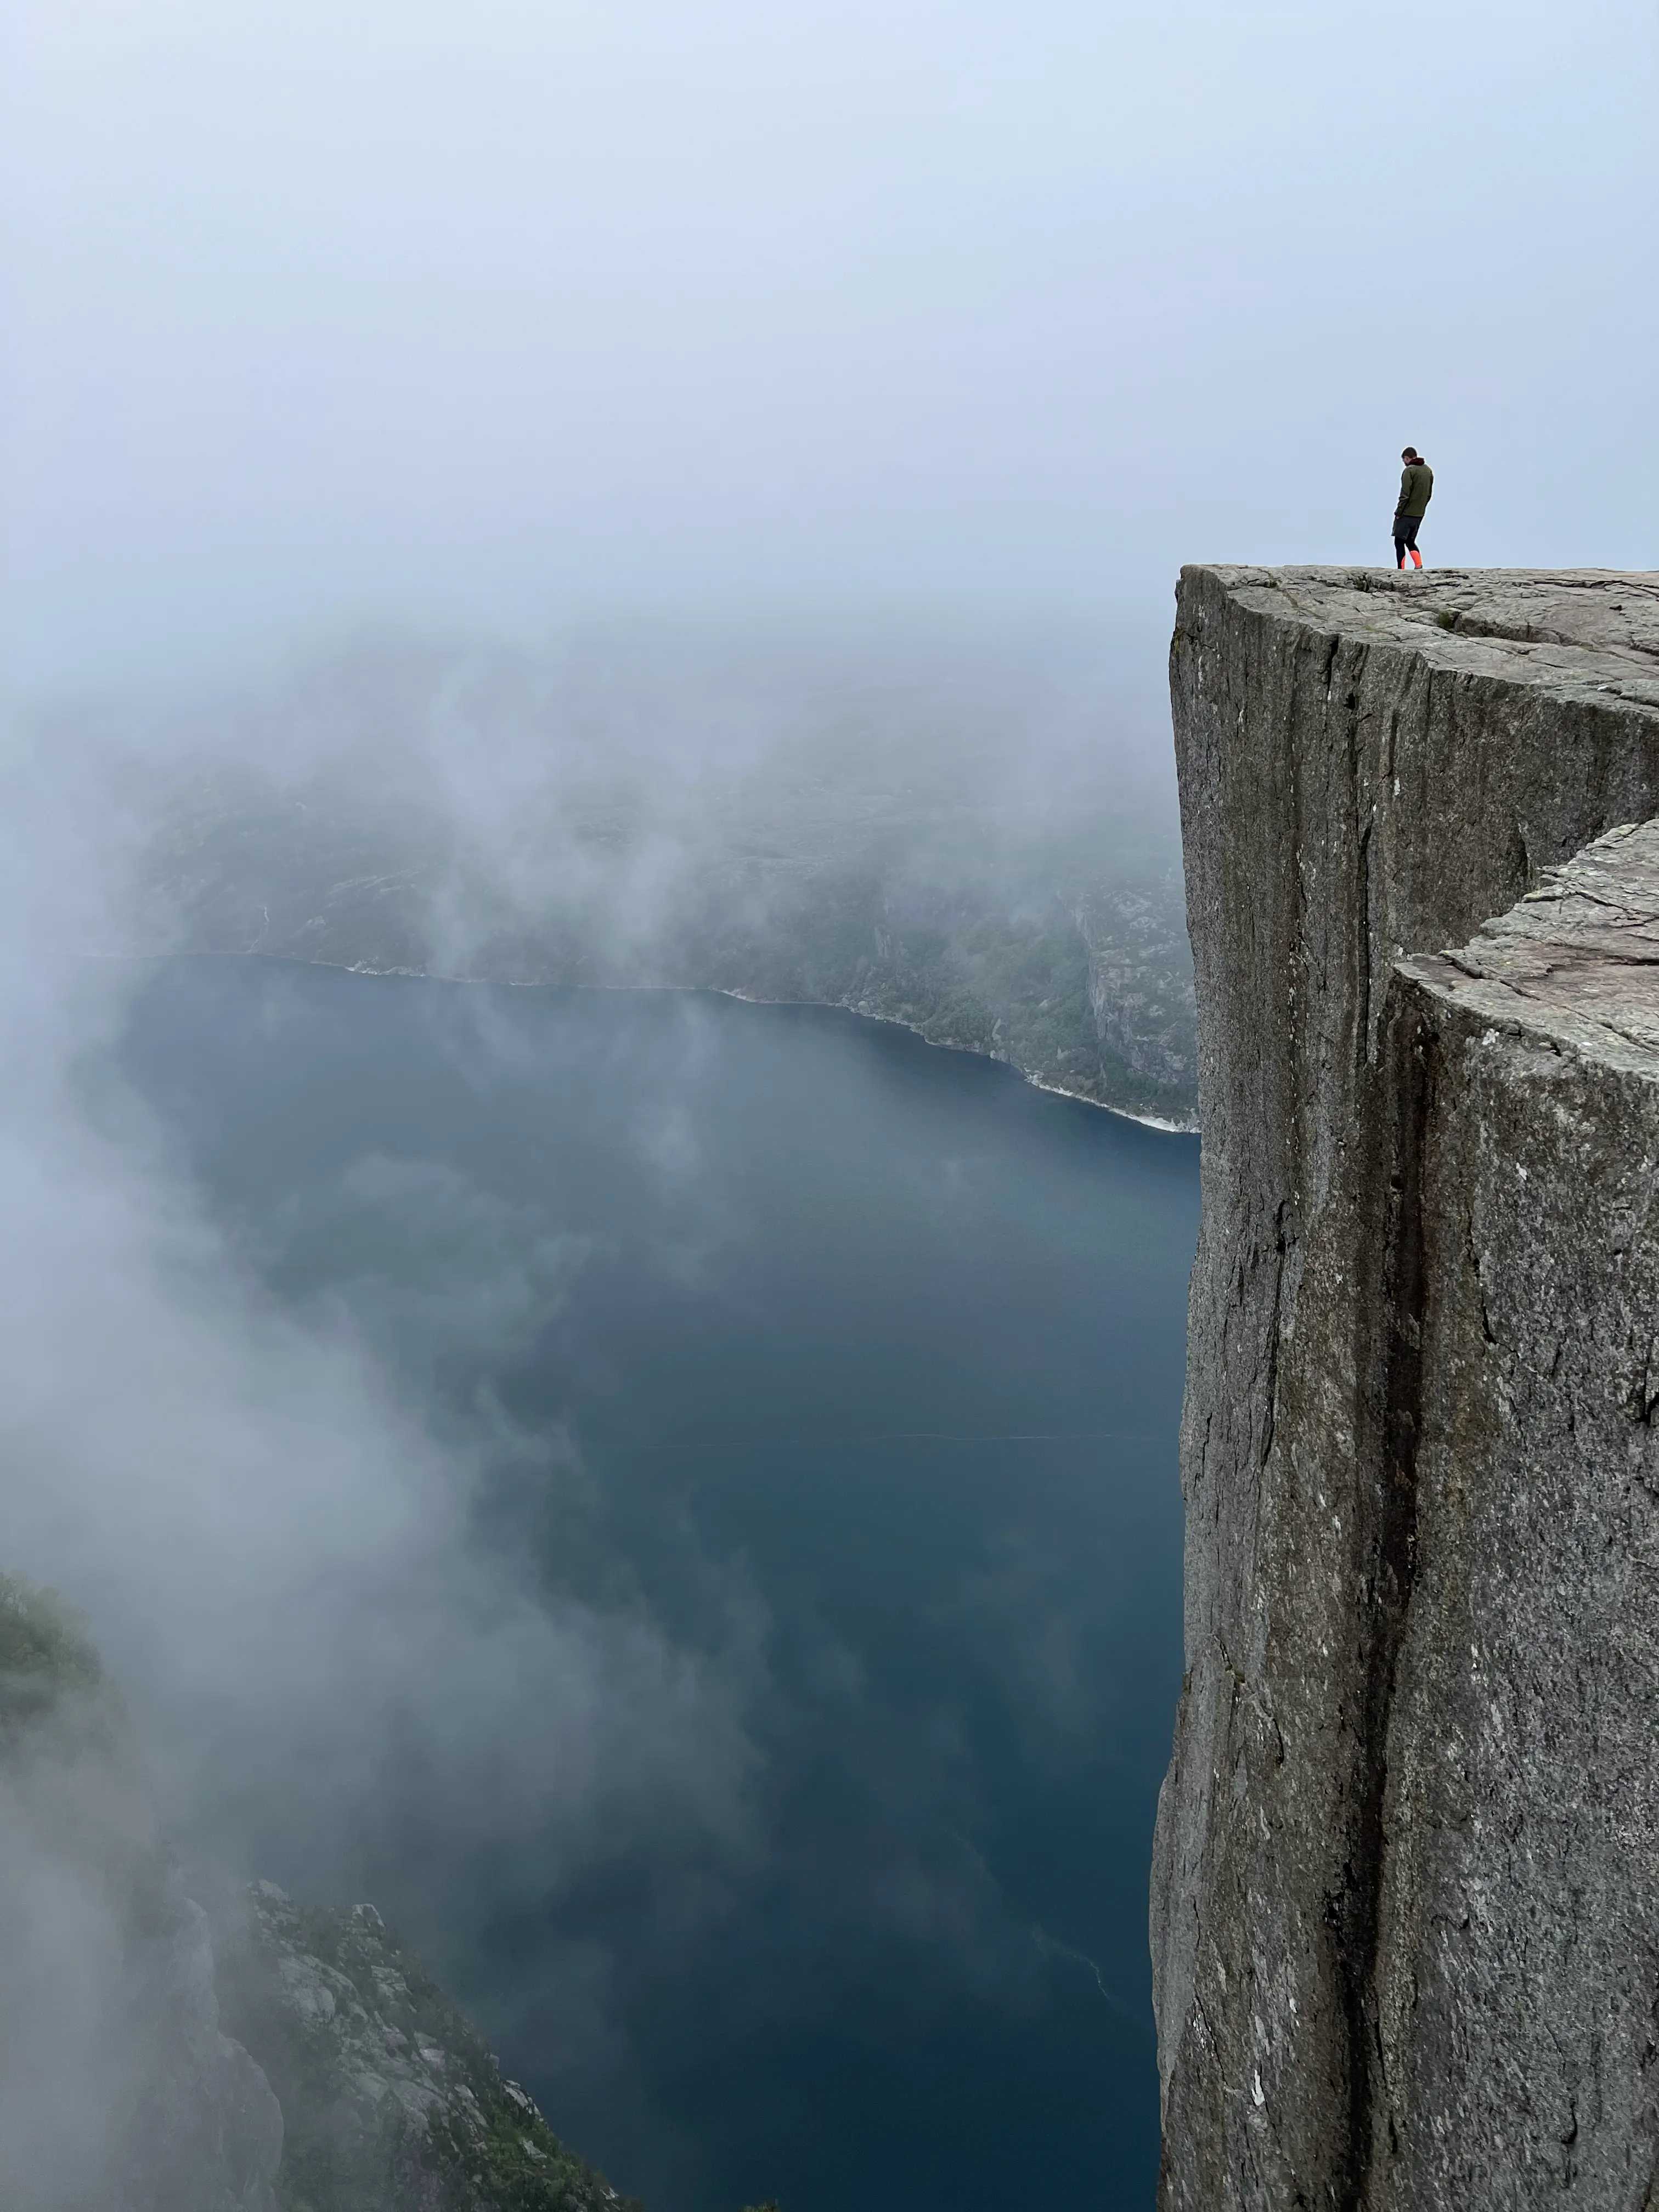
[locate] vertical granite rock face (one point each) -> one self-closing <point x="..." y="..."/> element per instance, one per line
<point x="1405" y="1930"/>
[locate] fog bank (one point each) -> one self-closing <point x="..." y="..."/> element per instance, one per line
<point x="329" y="313"/>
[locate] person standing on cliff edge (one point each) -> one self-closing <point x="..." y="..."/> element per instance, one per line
<point x="1416" y="490"/>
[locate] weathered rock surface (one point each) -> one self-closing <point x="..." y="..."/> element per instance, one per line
<point x="1406" y="1915"/>
<point x="203" y="2131"/>
<point x="392" y="2100"/>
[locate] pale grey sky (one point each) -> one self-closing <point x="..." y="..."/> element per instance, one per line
<point x="320" y="310"/>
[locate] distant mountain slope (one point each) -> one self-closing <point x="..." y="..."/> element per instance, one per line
<point x="975" y="858"/>
<point x="1087" y="990"/>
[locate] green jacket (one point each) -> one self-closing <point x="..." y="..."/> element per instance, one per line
<point x="1416" y="489"/>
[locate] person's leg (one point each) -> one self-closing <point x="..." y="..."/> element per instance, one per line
<point x="1399" y="543"/>
<point x="1411" y="541"/>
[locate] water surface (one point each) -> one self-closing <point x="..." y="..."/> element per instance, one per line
<point x="853" y="1366"/>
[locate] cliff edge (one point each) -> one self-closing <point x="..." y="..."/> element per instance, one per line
<point x="1406" y="1896"/>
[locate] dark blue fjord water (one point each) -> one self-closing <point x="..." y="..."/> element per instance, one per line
<point x="847" y="1367"/>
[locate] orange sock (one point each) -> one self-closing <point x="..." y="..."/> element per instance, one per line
<point x="1417" y="558"/>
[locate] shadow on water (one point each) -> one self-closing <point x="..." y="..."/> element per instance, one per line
<point x="854" y="1367"/>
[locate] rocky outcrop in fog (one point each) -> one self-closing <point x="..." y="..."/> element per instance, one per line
<point x="1405" y="1911"/>
<point x="254" y="2056"/>
<point x="118" y="2088"/>
<point x="392" y="2100"/>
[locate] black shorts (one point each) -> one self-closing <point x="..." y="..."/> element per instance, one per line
<point x="1406" y="527"/>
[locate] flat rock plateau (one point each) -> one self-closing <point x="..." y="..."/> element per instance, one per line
<point x="1405" y="1897"/>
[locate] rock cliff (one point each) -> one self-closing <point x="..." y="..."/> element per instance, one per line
<point x="1406" y="1908"/>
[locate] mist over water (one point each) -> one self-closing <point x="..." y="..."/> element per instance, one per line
<point x="836" y="1381"/>
<point x="323" y="1417"/>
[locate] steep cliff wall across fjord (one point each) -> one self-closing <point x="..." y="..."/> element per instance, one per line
<point x="1406" y="1904"/>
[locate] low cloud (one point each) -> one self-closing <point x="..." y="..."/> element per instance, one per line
<point x="328" y="1662"/>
